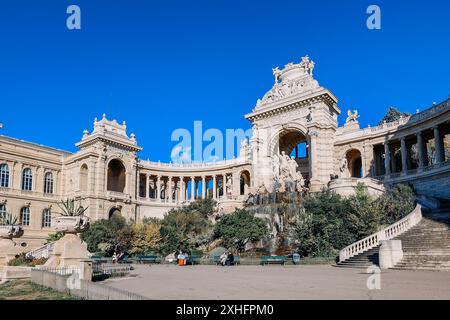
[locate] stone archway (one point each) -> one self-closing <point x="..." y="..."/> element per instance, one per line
<point x="293" y="142"/>
<point x="244" y="182"/>
<point x="116" y="176"/>
<point x="114" y="213"/>
<point x="354" y="161"/>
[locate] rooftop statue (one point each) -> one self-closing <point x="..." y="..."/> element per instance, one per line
<point x="352" y="116"/>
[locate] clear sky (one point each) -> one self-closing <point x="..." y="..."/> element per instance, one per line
<point x="161" y="65"/>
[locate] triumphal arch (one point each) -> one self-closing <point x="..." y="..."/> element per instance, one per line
<point x="296" y="145"/>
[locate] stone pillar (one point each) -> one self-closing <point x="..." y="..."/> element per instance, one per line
<point x="158" y="188"/>
<point x="147" y="186"/>
<point x="390" y="254"/>
<point x="404" y="153"/>
<point x="420" y="147"/>
<point x="192" y="188"/>
<point x="214" y="187"/>
<point x="170" y="189"/>
<point x="203" y="187"/>
<point x="438" y="145"/>
<point x="181" y="187"/>
<point x="387" y="158"/>
<point x="313" y="165"/>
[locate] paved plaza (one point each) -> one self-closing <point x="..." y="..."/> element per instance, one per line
<point x="277" y="282"/>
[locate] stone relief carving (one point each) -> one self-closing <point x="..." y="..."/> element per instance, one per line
<point x="299" y="80"/>
<point x="343" y="168"/>
<point x="286" y="176"/>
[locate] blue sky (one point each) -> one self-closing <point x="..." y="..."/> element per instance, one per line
<point x="161" y="65"/>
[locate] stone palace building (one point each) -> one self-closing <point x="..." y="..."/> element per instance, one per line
<point x="108" y="177"/>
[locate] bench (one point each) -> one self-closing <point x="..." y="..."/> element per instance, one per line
<point x="124" y="259"/>
<point x="193" y="260"/>
<point x="265" y="260"/>
<point x="98" y="259"/>
<point x="148" y="259"/>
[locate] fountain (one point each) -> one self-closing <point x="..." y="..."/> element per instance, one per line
<point x="280" y="206"/>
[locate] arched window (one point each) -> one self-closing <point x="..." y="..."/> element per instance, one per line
<point x="116" y="176"/>
<point x="4" y="175"/>
<point x="48" y="183"/>
<point x="244" y="182"/>
<point x="84" y="177"/>
<point x="25" y="216"/>
<point x="3" y="213"/>
<point x="27" y="179"/>
<point x="46" y="218"/>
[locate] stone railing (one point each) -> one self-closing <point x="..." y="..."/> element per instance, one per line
<point x="387" y="233"/>
<point x="194" y="165"/>
<point x="417" y="171"/>
<point x="41" y="252"/>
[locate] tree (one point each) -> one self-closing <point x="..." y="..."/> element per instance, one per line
<point x="364" y="215"/>
<point x="114" y="231"/>
<point x="146" y="238"/>
<point x="182" y="228"/>
<point x="321" y="227"/>
<point x="240" y="227"/>
<point x="392" y="115"/>
<point x="396" y="203"/>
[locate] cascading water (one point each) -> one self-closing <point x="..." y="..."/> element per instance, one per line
<point x="278" y="209"/>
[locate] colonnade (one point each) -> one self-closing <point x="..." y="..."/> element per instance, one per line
<point x="182" y="188"/>
<point x="412" y="152"/>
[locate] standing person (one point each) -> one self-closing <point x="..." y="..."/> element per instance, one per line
<point x="114" y="257"/>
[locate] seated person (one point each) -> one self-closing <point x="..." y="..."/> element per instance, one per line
<point x="230" y="259"/>
<point x="223" y="258"/>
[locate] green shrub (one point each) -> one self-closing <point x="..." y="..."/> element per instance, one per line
<point x="187" y="227"/>
<point x="396" y="203"/>
<point x="21" y="260"/>
<point x="240" y="227"/>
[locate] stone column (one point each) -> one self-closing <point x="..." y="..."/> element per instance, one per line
<point x="181" y="187"/>
<point x="158" y="188"/>
<point x="214" y="187"/>
<point x="192" y="188"/>
<point x="147" y="186"/>
<point x="170" y="189"/>
<point x="387" y="158"/>
<point x="404" y="153"/>
<point x="438" y="145"/>
<point x="203" y="187"/>
<point x="420" y="147"/>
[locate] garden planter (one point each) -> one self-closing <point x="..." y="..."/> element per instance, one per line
<point x="9" y="232"/>
<point x="71" y="224"/>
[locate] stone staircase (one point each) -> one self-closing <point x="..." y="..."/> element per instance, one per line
<point x="363" y="260"/>
<point x="426" y="246"/>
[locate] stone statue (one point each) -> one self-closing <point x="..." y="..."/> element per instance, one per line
<point x="284" y="164"/>
<point x="276" y="166"/>
<point x="299" y="181"/>
<point x="276" y="73"/>
<point x="352" y="116"/>
<point x="343" y="169"/>
<point x="293" y="167"/>
<point x="229" y="184"/>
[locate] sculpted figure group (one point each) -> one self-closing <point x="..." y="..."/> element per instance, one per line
<point x="285" y="174"/>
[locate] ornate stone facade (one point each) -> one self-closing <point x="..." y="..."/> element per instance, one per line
<point x="108" y="177"/>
